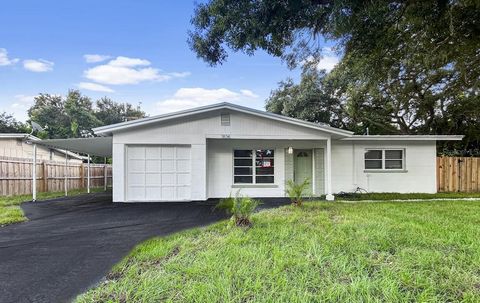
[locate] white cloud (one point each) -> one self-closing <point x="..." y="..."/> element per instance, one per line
<point x="328" y="62"/>
<point x="4" y="60"/>
<point x="180" y="75"/>
<point x="130" y="62"/>
<point x="248" y="93"/>
<point x="186" y="98"/>
<point x="125" y="70"/>
<point x="94" y="58"/>
<point x="38" y="66"/>
<point x="20" y="105"/>
<point x="95" y="87"/>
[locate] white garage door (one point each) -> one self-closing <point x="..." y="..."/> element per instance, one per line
<point x="158" y="173"/>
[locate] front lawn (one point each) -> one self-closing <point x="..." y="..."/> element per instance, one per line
<point x="406" y="196"/>
<point x="323" y="251"/>
<point x="11" y="212"/>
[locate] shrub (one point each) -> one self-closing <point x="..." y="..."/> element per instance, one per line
<point x="296" y="192"/>
<point x="240" y="207"/>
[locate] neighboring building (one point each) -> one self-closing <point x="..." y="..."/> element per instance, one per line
<point x="214" y="151"/>
<point x="15" y="145"/>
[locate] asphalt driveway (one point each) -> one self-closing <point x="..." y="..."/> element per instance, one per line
<point x="69" y="244"/>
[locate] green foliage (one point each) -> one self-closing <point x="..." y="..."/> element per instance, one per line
<point x="408" y="67"/>
<point x="404" y="196"/>
<point x="321" y="252"/>
<point x="296" y="192"/>
<point x="75" y="115"/>
<point x="8" y="124"/>
<point x="240" y="207"/>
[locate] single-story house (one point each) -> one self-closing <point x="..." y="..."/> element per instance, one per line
<point x="17" y="145"/>
<point x="213" y="151"/>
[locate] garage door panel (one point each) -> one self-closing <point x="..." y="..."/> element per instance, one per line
<point x="168" y="166"/>
<point x="183" y="192"/>
<point x="183" y="153"/>
<point x="168" y="193"/>
<point x="136" y="152"/>
<point x="183" y="165"/>
<point x="153" y="179"/>
<point x="153" y="166"/>
<point x="156" y="173"/>
<point x="136" y="179"/>
<point x="168" y="179"/>
<point x="168" y="152"/>
<point x="137" y="165"/>
<point x="183" y="179"/>
<point x="136" y="193"/>
<point x="153" y="193"/>
<point x="153" y="153"/>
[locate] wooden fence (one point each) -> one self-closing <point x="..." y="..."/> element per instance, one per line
<point x="458" y="174"/>
<point x="16" y="176"/>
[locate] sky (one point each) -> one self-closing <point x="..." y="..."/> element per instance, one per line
<point x="130" y="51"/>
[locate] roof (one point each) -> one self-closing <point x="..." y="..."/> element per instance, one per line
<point x="98" y="146"/>
<point x="29" y="137"/>
<point x="404" y="138"/>
<point x="109" y="129"/>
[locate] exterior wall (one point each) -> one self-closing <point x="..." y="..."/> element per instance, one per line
<point x="348" y="167"/>
<point x="220" y="166"/>
<point x="195" y="131"/>
<point x="13" y="147"/>
<point x="212" y="156"/>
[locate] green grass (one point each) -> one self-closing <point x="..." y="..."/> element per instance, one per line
<point x="408" y="196"/>
<point x="321" y="252"/>
<point x="10" y="211"/>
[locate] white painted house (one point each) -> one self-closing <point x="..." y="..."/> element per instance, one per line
<point x="212" y="151"/>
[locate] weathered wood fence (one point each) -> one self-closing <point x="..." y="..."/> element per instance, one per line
<point x="458" y="174"/>
<point x="16" y="176"/>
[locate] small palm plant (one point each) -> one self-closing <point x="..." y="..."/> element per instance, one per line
<point x="240" y="207"/>
<point x="296" y="192"/>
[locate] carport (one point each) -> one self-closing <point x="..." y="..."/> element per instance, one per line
<point x="94" y="146"/>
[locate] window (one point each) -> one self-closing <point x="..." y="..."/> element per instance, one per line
<point x="384" y="159"/>
<point x="253" y="166"/>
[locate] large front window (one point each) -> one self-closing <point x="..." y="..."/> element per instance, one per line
<point x="253" y="166"/>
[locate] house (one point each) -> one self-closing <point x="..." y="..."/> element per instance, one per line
<point x="216" y="150"/>
<point x="17" y="145"/>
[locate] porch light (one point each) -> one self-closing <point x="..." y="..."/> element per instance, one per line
<point x="290" y="150"/>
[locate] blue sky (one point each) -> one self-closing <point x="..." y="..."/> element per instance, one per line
<point x="131" y="51"/>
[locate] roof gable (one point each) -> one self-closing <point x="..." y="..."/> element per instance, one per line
<point x="109" y="129"/>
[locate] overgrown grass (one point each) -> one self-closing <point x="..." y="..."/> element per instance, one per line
<point x="11" y="212"/>
<point x="321" y="252"/>
<point x="408" y="196"/>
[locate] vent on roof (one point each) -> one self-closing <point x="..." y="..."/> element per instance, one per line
<point x="225" y="119"/>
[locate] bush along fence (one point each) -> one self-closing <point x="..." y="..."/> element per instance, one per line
<point x="16" y="176"/>
<point x="458" y="174"/>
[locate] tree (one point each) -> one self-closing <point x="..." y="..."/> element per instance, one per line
<point x="49" y="111"/>
<point x="8" y="124"/>
<point x="110" y="112"/>
<point x="81" y="114"/>
<point x="431" y="30"/>
<point x="75" y="116"/>
<point x="313" y="99"/>
<point x="407" y="67"/>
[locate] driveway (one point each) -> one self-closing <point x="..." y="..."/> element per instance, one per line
<point x="69" y="244"/>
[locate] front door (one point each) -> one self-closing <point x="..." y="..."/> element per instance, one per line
<point x="303" y="167"/>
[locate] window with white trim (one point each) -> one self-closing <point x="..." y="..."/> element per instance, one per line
<point x="384" y="159"/>
<point x="253" y="166"/>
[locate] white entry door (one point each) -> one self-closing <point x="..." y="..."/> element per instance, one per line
<point x="158" y="173"/>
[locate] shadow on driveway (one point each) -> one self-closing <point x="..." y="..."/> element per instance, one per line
<point x="69" y="244"/>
